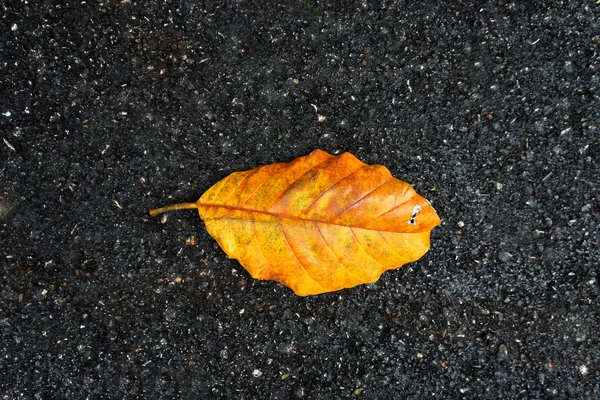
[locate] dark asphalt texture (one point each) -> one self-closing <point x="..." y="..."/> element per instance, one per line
<point x="490" y="109"/>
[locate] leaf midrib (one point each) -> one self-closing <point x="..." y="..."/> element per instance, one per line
<point x="293" y="217"/>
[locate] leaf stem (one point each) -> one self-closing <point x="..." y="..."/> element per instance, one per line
<point x="173" y="207"/>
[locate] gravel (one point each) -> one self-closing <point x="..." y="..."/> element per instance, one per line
<point x="490" y="109"/>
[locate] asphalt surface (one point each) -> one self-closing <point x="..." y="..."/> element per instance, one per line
<point x="108" y="109"/>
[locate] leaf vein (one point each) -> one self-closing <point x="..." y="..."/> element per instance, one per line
<point x="281" y="228"/>
<point x="364" y="196"/>
<point x="395" y="205"/>
<point x="256" y="189"/>
<point x="242" y="183"/>
<point x="273" y="273"/>
<point x="294" y="181"/>
<point x="391" y="248"/>
<point x="363" y="247"/>
<point x="293" y="217"/>
<point x="331" y="186"/>
<point x="332" y="252"/>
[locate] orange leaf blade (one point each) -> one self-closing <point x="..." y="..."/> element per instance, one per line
<point x="319" y="223"/>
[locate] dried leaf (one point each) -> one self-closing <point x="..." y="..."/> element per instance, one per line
<point x="318" y="224"/>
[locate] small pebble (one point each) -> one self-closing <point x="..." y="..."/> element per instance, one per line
<point x="504" y="256"/>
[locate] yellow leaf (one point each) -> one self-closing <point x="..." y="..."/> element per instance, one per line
<point x="318" y="224"/>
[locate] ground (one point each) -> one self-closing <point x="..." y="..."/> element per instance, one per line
<point x="490" y="109"/>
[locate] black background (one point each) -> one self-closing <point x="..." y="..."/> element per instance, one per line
<point x="490" y="109"/>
